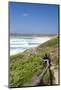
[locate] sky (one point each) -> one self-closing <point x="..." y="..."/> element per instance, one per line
<point x="27" y="18"/>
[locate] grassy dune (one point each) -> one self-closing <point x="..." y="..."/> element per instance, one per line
<point x="29" y="63"/>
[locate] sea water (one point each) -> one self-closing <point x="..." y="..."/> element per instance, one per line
<point x="19" y="44"/>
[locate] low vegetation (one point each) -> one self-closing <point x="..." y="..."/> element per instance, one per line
<point x="29" y="63"/>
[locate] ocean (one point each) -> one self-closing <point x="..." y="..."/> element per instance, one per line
<point x="19" y="44"/>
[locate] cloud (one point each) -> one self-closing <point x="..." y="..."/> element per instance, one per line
<point x="25" y="14"/>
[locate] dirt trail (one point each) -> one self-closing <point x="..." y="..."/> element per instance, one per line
<point x="37" y="78"/>
<point x="55" y="74"/>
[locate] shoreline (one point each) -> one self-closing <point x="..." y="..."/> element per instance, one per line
<point x="41" y="40"/>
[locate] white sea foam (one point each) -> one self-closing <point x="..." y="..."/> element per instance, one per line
<point x="18" y="45"/>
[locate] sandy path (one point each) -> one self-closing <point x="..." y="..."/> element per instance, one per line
<point x="55" y="74"/>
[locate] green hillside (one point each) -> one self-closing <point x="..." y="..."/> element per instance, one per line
<point x="29" y="63"/>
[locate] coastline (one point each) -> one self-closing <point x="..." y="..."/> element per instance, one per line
<point x="39" y="40"/>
